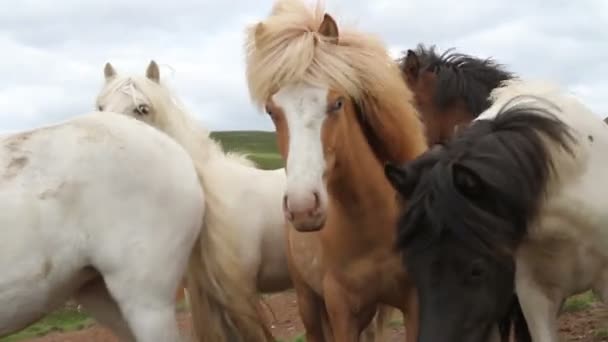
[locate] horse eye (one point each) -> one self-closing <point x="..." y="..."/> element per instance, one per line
<point x="268" y="110"/>
<point x="337" y="105"/>
<point x="477" y="270"/>
<point x="142" y="110"/>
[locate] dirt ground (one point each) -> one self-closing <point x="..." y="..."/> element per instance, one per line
<point x="583" y="326"/>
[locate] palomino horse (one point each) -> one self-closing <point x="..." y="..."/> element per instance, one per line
<point x="341" y="109"/>
<point x="512" y="202"/>
<point x="450" y="89"/>
<point x="102" y="208"/>
<point x="240" y="198"/>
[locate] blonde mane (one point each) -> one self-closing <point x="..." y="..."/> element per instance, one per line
<point x="286" y="47"/>
<point x="171" y="117"/>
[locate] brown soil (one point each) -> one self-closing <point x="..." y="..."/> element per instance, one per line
<point x="584" y="326"/>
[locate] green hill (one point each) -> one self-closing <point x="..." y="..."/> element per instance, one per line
<point x="261" y="146"/>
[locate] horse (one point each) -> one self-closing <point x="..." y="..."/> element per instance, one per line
<point x="241" y="198"/>
<point x="341" y="109"/>
<point x="450" y="89"/>
<point x="107" y="210"/>
<point x="510" y="204"/>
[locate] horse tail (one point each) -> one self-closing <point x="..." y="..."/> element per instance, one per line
<point x="223" y="304"/>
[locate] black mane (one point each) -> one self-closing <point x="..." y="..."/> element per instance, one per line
<point x="485" y="185"/>
<point x="461" y="76"/>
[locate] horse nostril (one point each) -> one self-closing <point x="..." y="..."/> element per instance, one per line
<point x="317" y="201"/>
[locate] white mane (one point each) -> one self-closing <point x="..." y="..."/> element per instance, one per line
<point x="550" y="91"/>
<point x="170" y="116"/>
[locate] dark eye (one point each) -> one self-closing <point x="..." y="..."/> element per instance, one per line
<point x="268" y="111"/>
<point x="100" y="108"/>
<point x="477" y="270"/>
<point x="142" y="109"/>
<point x="337" y="105"/>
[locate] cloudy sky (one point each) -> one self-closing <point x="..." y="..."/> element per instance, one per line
<point x="52" y="52"/>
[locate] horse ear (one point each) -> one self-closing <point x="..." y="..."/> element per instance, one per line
<point x="152" y="72"/>
<point x="329" y="28"/>
<point x="467" y="181"/>
<point x="411" y="65"/>
<point x="258" y="32"/>
<point x="108" y="71"/>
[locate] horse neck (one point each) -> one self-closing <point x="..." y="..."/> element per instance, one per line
<point x="453" y="118"/>
<point x="192" y="136"/>
<point x="212" y="164"/>
<point x="358" y="188"/>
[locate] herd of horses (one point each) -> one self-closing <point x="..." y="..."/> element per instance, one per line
<point x="440" y="185"/>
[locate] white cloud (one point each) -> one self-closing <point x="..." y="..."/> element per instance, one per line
<point x="53" y="52"/>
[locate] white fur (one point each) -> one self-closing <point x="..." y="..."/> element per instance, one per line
<point x="98" y="198"/>
<point x="249" y="199"/>
<point x="305" y="110"/>
<point x="566" y="251"/>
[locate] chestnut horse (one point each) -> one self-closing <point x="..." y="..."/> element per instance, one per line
<point x="341" y="110"/>
<point x="450" y="89"/>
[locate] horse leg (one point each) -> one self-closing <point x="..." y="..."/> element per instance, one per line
<point x="347" y="322"/>
<point x="411" y="315"/>
<point x="374" y="332"/>
<point x="601" y="287"/>
<point x="369" y="333"/>
<point x="327" y="332"/>
<point x="148" y="305"/>
<point x="539" y="310"/>
<point x="96" y="300"/>
<point x="311" y="310"/>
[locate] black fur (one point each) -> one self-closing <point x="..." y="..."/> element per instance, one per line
<point x="480" y="190"/>
<point x="461" y="76"/>
<point x="507" y="164"/>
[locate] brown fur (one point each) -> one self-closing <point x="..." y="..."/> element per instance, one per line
<point x="450" y="89"/>
<point x="440" y="123"/>
<point x="344" y="271"/>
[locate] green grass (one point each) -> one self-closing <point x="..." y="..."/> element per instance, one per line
<point x="59" y="321"/>
<point x="259" y="145"/>
<point x="300" y="338"/>
<point x="601" y="333"/>
<point x="580" y="302"/>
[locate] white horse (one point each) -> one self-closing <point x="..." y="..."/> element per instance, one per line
<point x="242" y="198"/>
<point x="108" y="210"/>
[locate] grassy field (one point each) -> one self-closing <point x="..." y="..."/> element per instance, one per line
<point x="260" y="146"/>
<point x="62" y="320"/>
